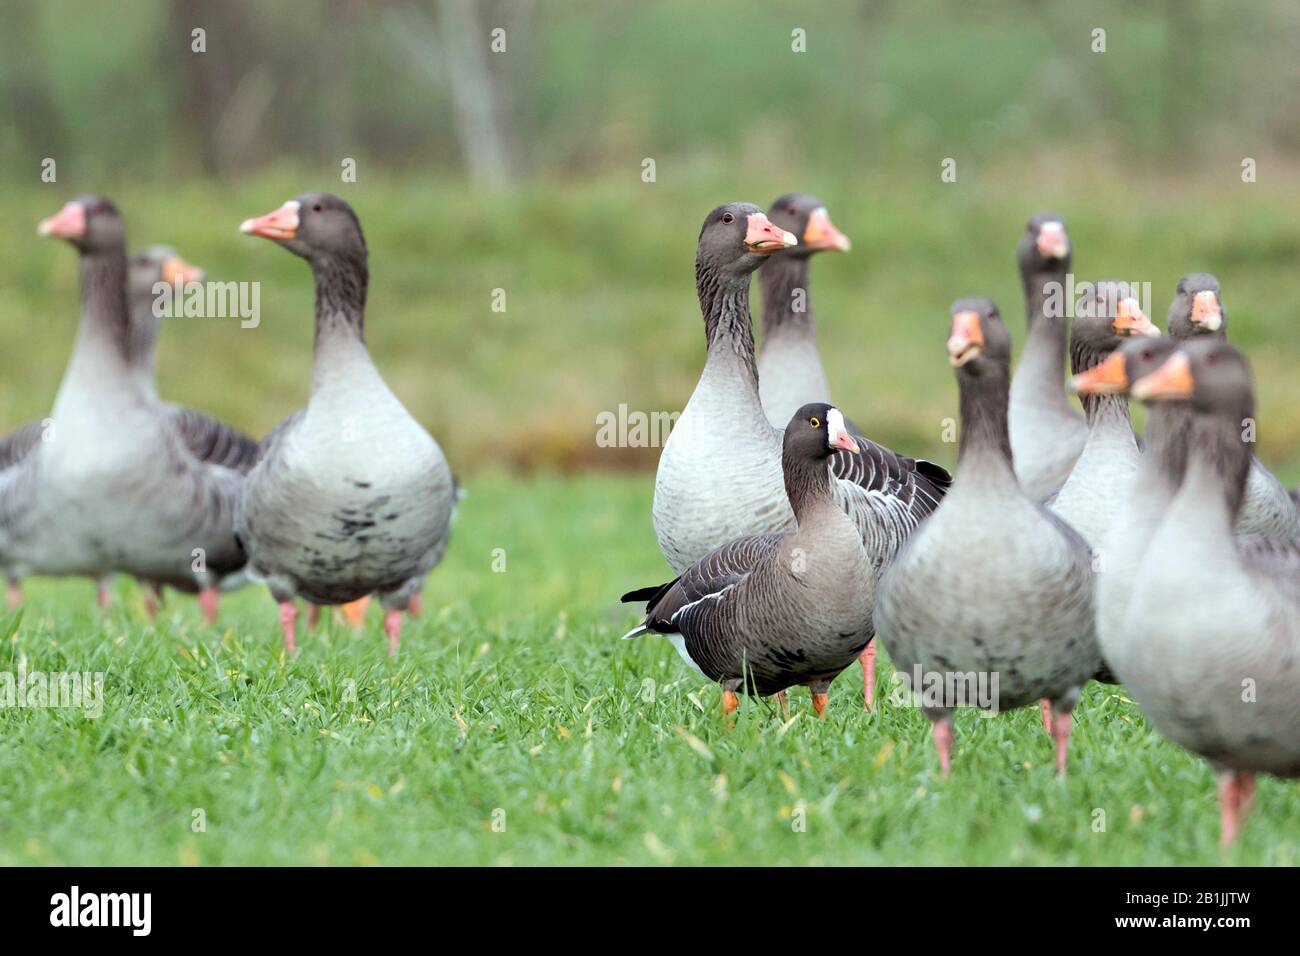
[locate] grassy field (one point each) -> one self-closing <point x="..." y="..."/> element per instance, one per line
<point x="515" y="728"/>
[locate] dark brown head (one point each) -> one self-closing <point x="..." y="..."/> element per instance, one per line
<point x="978" y="343"/>
<point x="1197" y="308"/>
<point x="315" y="226"/>
<point x="816" y="432"/>
<point x="737" y="238"/>
<point x="1107" y="313"/>
<point x="1044" y="246"/>
<point x="91" y="223"/>
<point x="806" y="218"/>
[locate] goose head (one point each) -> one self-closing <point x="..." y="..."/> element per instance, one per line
<point x="1197" y="308"/>
<point x="315" y="226"/>
<point x="805" y="218"/>
<point x="978" y="342"/>
<point x="1044" y="246"/>
<point x="158" y="264"/>
<point x="91" y="223"/>
<point x="1107" y="313"/>
<point x="817" y="431"/>
<point x="1128" y="363"/>
<point x="737" y="238"/>
<point x="1208" y="374"/>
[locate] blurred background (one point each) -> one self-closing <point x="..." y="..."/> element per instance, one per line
<point x="522" y="169"/>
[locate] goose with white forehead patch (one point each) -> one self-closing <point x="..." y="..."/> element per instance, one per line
<point x="719" y="476"/>
<point x="121" y="482"/>
<point x="769" y="611"/>
<point x="350" y="496"/>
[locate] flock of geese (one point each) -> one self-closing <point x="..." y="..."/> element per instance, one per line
<point x="347" y="498"/>
<point x="1066" y="549"/>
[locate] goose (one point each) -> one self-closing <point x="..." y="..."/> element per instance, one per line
<point x="1107" y="313"/>
<point x="1210" y="644"/>
<point x="1022" y="623"/>
<point x="350" y="496"/>
<point x="790" y="369"/>
<point x="1047" y="433"/>
<point x="207" y="438"/>
<point x="768" y="611"/>
<point x="1198" y="311"/>
<point x="116" y="484"/>
<point x="719" y="476"/>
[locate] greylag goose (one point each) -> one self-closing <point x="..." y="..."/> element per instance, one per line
<point x="790" y="369"/>
<point x="117" y="485"/>
<point x="1023" y="624"/>
<point x="1197" y="310"/>
<point x="769" y="611"/>
<point x="350" y="496"/>
<point x="1210" y="644"/>
<point x="1103" y="473"/>
<point x="719" y="475"/>
<point x="1047" y="432"/>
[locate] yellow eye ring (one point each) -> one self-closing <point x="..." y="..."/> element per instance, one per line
<point x="815" y="422"/>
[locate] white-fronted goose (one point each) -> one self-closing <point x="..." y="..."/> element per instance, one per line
<point x="117" y="486"/>
<point x="1198" y="311"/>
<point x="1022" y="623"/>
<point x="350" y="496"/>
<point x="1210" y="645"/>
<point x="1047" y="432"/>
<point x="790" y="371"/>
<point x="769" y="611"/>
<point x="719" y="475"/>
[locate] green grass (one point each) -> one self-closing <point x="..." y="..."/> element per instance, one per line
<point x="514" y="694"/>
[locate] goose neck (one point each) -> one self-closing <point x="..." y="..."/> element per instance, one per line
<point x="984" y="450"/>
<point x="728" y="325"/>
<point x="807" y="484"/>
<point x="1218" y="465"/>
<point x="787" y="300"/>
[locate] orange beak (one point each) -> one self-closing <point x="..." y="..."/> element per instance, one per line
<point x="1053" y="243"/>
<point x="68" y="223"/>
<point x="280" y="224"/>
<point x="1206" y="311"/>
<point x="764" y="238"/>
<point x="177" y="269"/>
<point x="1130" y="320"/>
<point x="967" y="338"/>
<point x="820" y="233"/>
<point x="1108" y="378"/>
<point x="1173" y="380"/>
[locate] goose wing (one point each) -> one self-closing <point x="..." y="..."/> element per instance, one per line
<point x="212" y="441"/>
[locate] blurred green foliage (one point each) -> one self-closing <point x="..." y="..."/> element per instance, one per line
<point x="1139" y="147"/>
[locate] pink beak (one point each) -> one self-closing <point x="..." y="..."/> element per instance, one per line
<point x="68" y="223"/>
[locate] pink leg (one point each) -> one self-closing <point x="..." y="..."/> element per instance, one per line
<point x="288" y="615"/>
<point x="15" y="595"/>
<point x="416" y="606"/>
<point x="1061" y="734"/>
<point x="1046" y="707"/>
<point x="868" y="660"/>
<point x="393" y="628"/>
<point x="208" y="603"/>
<point x="943" y="743"/>
<point x="151" y="600"/>
<point x="313" y="615"/>
<point x="1235" y="790"/>
<point x="103" y="596"/>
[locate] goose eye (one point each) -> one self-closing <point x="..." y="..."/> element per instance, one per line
<point x="316" y="208"/>
<point x="815" y="422"/>
<point x="728" y="217"/>
<point x="791" y="210"/>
